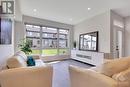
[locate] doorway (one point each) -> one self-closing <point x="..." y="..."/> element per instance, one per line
<point x="118" y="43"/>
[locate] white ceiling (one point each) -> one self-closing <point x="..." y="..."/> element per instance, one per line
<point x="72" y="11"/>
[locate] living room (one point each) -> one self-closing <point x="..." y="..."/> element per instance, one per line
<point x="73" y="43"/>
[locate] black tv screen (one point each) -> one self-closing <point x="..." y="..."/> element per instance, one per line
<point x="88" y="41"/>
<point x="5" y="31"/>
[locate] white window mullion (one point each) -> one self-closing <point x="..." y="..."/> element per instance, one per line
<point x="57" y="41"/>
<point x="41" y="40"/>
<point x="69" y="41"/>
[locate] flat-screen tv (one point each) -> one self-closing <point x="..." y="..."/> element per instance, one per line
<point x="5" y="31"/>
<point x="88" y="41"/>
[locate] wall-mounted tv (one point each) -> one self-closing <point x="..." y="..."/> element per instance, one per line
<point x="89" y="41"/>
<point x="5" y="31"/>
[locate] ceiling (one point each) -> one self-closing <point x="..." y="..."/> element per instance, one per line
<point x="72" y="11"/>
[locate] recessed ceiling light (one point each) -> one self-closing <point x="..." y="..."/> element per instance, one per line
<point x="89" y="9"/>
<point x="34" y="10"/>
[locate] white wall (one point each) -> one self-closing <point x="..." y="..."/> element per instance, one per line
<point x="99" y="23"/>
<point x="6" y="51"/>
<point x="18" y="34"/>
<point x="43" y="22"/>
<point x="18" y="13"/>
<point x="127" y="36"/>
<point x="119" y="22"/>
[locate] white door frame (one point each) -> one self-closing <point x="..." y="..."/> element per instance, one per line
<point x="115" y="42"/>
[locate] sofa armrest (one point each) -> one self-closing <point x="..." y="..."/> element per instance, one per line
<point x="27" y="77"/>
<point x="122" y="76"/>
<point x="87" y="78"/>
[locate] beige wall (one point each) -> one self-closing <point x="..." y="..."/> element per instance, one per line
<point x="99" y="23"/>
<point x="127" y="36"/>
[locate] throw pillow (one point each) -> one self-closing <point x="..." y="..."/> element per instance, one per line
<point x="30" y="61"/>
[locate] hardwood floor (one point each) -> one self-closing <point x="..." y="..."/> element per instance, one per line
<point x="61" y="73"/>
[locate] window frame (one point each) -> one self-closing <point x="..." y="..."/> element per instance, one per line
<point x="41" y="48"/>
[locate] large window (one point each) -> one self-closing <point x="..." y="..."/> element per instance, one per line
<point x="33" y="34"/>
<point x="63" y="41"/>
<point x="48" y="41"/>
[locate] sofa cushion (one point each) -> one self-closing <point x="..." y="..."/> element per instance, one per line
<point x="112" y="67"/>
<point x="122" y="76"/>
<point x="15" y="62"/>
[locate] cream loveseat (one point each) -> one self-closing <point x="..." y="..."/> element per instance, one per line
<point x="20" y="75"/>
<point x="27" y="77"/>
<point x="19" y="59"/>
<point x="115" y="73"/>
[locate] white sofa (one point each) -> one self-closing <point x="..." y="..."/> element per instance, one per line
<point x="19" y="74"/>
<point x="19" y="59"/>
<point x="27" y="77"/>
<point x="115" y="73"/>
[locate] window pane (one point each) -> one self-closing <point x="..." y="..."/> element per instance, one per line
<point x="33" y="28"/>
<point x="49" y="41"/>
<point x="36" y="27"/>
<point x="81" y="42"/>
<point x="63" y="43"/>
<point x="49" y="35"/>
<point x="49" y="38"/>
<point x="34" y="51"/>
<point x="63" y="51"/>
<point x="63" y="38"/>
<point x="33" y="34"/>
<point x="28" y="26"/>
<point x="49" y="30"/>
<point x="93" y="43"/>
<point x="49" y="52"/>
<point x="63" y="31"/>
<point x="35" y="45"/>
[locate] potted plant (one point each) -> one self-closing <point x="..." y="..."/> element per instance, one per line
<point x="25" y="46"/>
